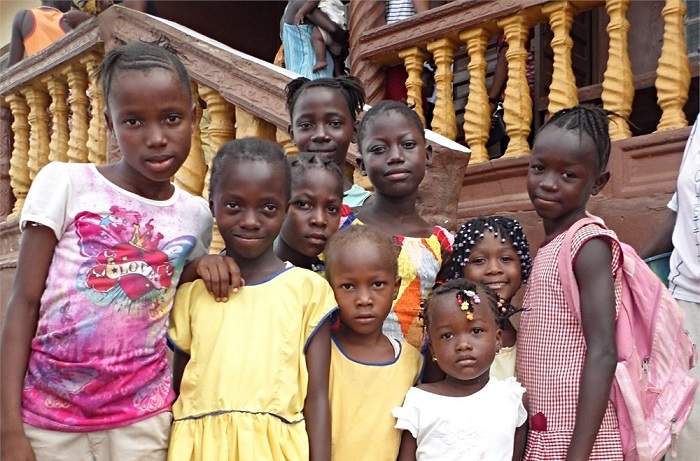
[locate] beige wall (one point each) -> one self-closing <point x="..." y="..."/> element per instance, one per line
<point x="8" y="8"/>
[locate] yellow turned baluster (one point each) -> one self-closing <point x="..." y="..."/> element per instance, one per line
<point x="477" y="120"/>
<point x="58" y="90"/>
<point x="78" y="101"/>
<point x="444" y="118"/>
<point x="97" y="132"/>
<point x="19" y="171"/>
<point x="562" y="92"/>
<point x="249" y="125"/>
<point x="284" y="140"/>
<point x="221" y="130"/>
<point x="618" y="80"/>
<point x="673" y="74"/>
<point x="190" y="176"/>
<point x="413" y="59"/>
<point x="517" y="103"/>
<point x="38" y="101"/>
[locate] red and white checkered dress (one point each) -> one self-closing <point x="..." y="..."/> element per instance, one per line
<point x="551" y="352"/>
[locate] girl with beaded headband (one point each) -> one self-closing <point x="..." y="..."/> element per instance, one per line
<point x="493" y="250"/>
<point x="468" y="415"/>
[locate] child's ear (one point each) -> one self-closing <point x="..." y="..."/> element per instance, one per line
<point x="430" y="347"/>
<point x="355" y="126"/>
<point x="360" y="165"/>
<point x="194" y="117"/>
<point x="211" y="208"/>
<point x="600" y="182"/>
<point x="108" y="120"/>
<point x="499" y="334"/>
<point x="397" y="285"/>
<point x="428" y="154"/>
<point x="290" y="131"/>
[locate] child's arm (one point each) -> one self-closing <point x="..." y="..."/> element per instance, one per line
<point x="520" y="442"/>
<point x="662" y="241"/>
<point x="17" y="38"/>
<point x="35" y="255"/>
<point x="218" y="272"/>
<point x="306" y="8"/>
<point x="597" y="296"/>
<point x="407" y="450"/>
<point x="316" y="407"/>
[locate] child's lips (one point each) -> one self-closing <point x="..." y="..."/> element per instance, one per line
<point x="397" y="175"/>
<point x="496" y="285"/>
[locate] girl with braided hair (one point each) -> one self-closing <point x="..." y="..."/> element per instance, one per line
<point x="567" y="363"/>
<point x="493" y="250"/>
<point x="468" y="415"/>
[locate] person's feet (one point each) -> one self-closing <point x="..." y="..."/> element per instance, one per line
<point x="320" y="65"/>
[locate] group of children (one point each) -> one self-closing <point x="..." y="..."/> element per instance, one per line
<point x="301" y="341"/>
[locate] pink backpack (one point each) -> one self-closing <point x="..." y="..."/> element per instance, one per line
<point x="652" y="390"/>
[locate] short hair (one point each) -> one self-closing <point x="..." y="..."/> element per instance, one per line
<point x="355" y="235"/>
<point x="141" y="56"/>
<point x="252" y="149"/>
<point x="458" y="288"/>
<point x="591" y="121"/>
<point x="384" y="107"/>
<point x="473" y="230"/>
<point x="349" y="87"/>
<point x="304" y="162"/>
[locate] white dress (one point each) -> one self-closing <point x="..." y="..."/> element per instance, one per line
<point x="477" y="427"/>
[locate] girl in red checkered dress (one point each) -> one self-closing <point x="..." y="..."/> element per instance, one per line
<point x="567" y="365"/>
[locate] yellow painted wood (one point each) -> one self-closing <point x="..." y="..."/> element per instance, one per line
<point x="618" y="80"/>
<point x="77" y="78"/>
<point x="413" y="59"/>
<point x="444" y="118"/>
<point x="477" y="119"/>
<point x="191" y="174"/>
<point x="562" y="92"/>
<point x="249" y="125"/>
<point x="37" y="99"/>
<point x="97" y="131"/>
<point x="58" y="90"/>
<point x="283" y="139"/>
<point x="19" y="169"/>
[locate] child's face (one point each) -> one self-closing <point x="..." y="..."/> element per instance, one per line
<point x="152" y="117"/>
<point x="494" y="263"/>
<point x="365" y="286"/>
<point x="563" y="174"/>
<point x="323" y="124"/>
<point x="249" y="207"/>
<point x="314" y="212"/>
<point x="394" y="155"/>
<point x="464" y="349"/>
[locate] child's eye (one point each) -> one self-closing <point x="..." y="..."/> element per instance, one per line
<point x="569" y="175"/>
<point x="232" y="205"/>
<point x="410" y="144"/>
<point x="346" y="286"/>
<point x="536" y="167"/>
<point x="335" y="123"/>
<point x="270" y="207"/>
<point x="377" y="149"/>
<point x="477" y="331"/>
<point x="332" y="209"/>
<point x="173" y="118"/>
<point x="302" y="204"/>
<point x="305" y="125"/>
<point x="132" y="122"/>
<point x="379" y="284"/>
<point x="506" y="259"/>
<point x="477" y="260"/>
<point x="447" y="335"/>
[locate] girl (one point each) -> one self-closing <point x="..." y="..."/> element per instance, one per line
<point x="467" y="415"/>
<point x="323" y="120"/>
<point x="362" y="270"/>
<point x="568" y="365"/>
<point x="84" y="352"/>
<point x="252" y="373"/>
<point x="314" y="210"/>
<point x="493" y="251"/>
<point x="394" y="157"/>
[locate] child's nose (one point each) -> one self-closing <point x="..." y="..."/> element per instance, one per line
<point x="548" y="182"/>
<point x="249" y="219"/>
<point x="395" y="154"/>
<point x="318" y="217"/>
<point x="320" y="133"/>
<point x="155" y="136"/>
<point x="493" y="267"/>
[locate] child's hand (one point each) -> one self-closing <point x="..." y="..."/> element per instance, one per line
<point x="16" y="447"/>
<point x="220" y="273"/>
<point x="298" y="19"/>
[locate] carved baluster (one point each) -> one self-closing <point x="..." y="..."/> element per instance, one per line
<point x="78" y="101"/>
<point x="249" y="125"/>
<point x="285" y="141"/>
<point x="444" y="118"/>
<point x="618" y="80"/>
<point x="6" y="197"/>
<point x="673" y="71"/>
<point x="413" y="59"/>
<point x="19" y="169"/>
<point x="562" y="92"/>
<point x="518" y="103"/>
<point x="221" y="130"/>
<point x="38" y="101"/>
<point x="97" y="132"/>
<point x="58" y="90"/>
<point x="366" y="15"/>
<point x="190" y="176"/>
<point x="477" y="120"/>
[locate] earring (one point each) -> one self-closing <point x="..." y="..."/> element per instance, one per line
<point x="435" y="359"/>
<point x="363" y="173"/>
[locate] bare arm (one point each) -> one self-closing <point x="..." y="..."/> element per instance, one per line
<point x="316" y="406"/>
<point x="597" y="295"/>
<point x="421" y="5"/>
<point x="519" y="442"/>
<point x="219" y="273"/>
<point x="35" y="255"/>
<point x="661" y="242"/>
<point x="407" y="450"/>
<point x="500" y="77"/>
<point x="17" y="38"/>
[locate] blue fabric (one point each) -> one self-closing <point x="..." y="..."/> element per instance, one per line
<point x="299" y="52"/>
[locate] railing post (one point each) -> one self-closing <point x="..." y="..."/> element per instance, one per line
<point x="249" y="125"/>
<point x="562" y="92"/>
<point x="517" y="103"/>
<point x="444" y="118"/>
<point x="97" y="132"/>
<point x="190" y="176"/>
<point x="6" y="197"/>
<point x="78" y="101"/>
<point x="58" y="90"/>
<point x="618" y="80"/>
<point x="366" y="15"/>
<point x="19" y="171"/>
<point x="673" y="71"/>
<point x="413" y="59"/>
<point x="38" y="101"/>
<point x="477" y="120"/>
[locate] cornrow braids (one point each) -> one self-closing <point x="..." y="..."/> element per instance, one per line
<point x="348" y="86"/>
<point x="352" y="236"/>
<point x="384" y="107"/>
<point x="467" y="297"/>
<point x="307" y="161"/>
<point x="590" y="120"/>
<point x="251" y="149"/>
<point x="142" y="56"/>
<point x="474" y="230"/>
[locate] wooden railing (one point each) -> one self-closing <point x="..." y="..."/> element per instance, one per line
<point x="440" y="32"/>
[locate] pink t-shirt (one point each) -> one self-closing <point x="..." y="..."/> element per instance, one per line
<point x="98" y="360"/>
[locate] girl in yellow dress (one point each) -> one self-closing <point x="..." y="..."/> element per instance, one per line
<point x="252" y="372"/>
